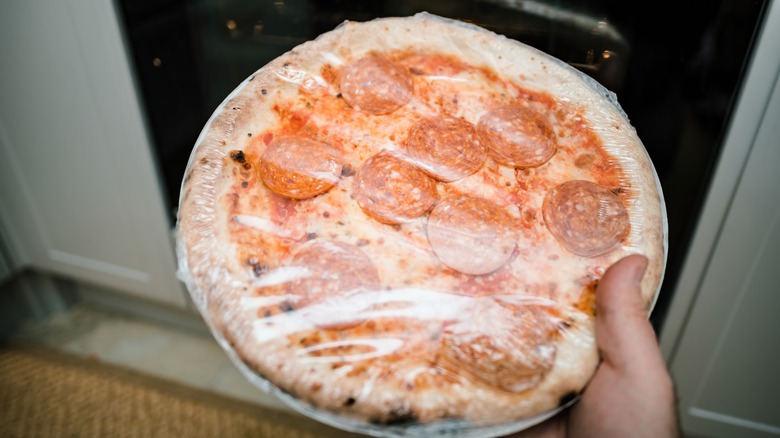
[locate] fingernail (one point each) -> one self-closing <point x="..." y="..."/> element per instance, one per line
<point x="640" y="270"/>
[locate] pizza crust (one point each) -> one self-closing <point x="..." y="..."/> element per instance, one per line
<point x="221" y="287"/>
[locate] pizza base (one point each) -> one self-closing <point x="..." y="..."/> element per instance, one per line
<point x="219" y="288"/>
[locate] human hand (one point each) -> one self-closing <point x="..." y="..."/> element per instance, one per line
<point x="631" y="394"/>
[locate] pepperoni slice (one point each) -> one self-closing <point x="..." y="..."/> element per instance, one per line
<point x="471" y="235"/>
<point x="330" y="269"/>
<point x="510" y="349"/>
<point x="519" y="136"/>
<point x="447" y="148"/>
<point x="393" y="191"/>
<point x="375" y="85"/>
<point x="299" y="168"/>
<point x="586" y="218"/>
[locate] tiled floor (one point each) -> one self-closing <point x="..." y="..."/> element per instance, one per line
<point x="168" y="352"/>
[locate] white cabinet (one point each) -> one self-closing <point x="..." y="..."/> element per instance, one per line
<point x="79" y="194"/>
<point x="721" y="337"/>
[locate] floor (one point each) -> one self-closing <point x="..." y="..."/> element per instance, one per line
<point x="161" y="350"/>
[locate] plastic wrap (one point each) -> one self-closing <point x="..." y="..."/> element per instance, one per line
<point x="390" y="261"/>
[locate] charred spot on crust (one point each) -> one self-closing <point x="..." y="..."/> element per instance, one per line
<point x="264" y="91"/>
<point x="258" y="268"/>
<point x="338" y="96"/>
<point x="347" y="170"/>
<point x="349" y="401"/>
<point x="565" y="324"/>
<point x="238" y="156"/>
<point x="244" y="184"/>
<point x="567" y="398"/>
<point x="395" y="418"/>
<point x="285" y="306"/>
<point x="618" y="190"/>
<point x="311" y="236"/>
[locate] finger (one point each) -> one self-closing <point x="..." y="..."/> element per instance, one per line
<point x="619" y="289"/>
<point x="623" y="332"/>
<point x="631" y="393"/>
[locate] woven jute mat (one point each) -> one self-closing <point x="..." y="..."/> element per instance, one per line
<point x="44" y="393"/>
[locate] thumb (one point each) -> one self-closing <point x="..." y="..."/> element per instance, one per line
<point x="623" y="332"/>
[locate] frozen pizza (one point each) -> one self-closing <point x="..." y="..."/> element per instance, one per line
<point x="400" y="226"/>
